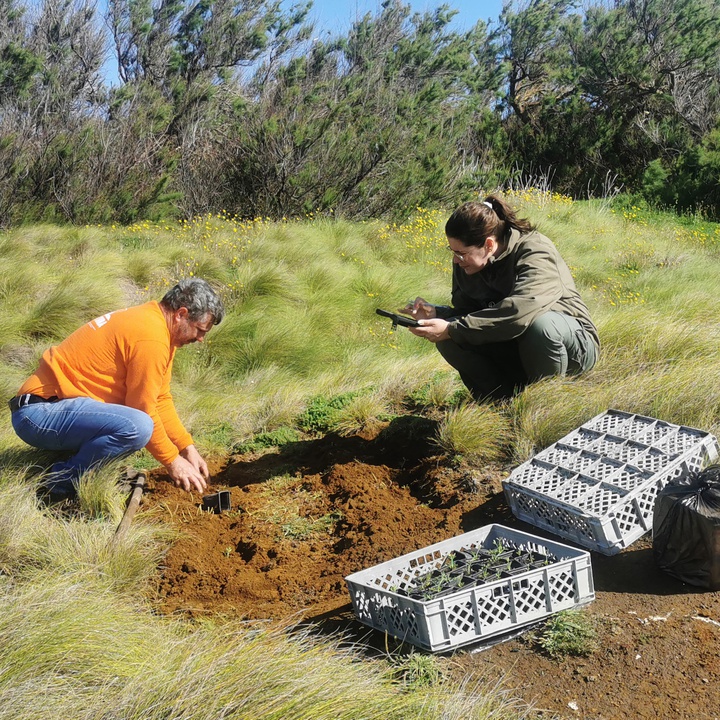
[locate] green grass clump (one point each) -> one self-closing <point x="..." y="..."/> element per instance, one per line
<point x="304" y="528"/>
<point x="570" y="632"/>
<point x="362" y="412"/>
<point x="476" y="432"/>
<point x="443" y="389"/>
<point x="95" y="655"/>
<point x="418" y="670"/>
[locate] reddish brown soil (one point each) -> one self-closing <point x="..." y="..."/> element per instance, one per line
<point x="659" y="640"/>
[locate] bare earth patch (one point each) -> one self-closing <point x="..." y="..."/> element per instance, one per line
<point x="303" y="519"/>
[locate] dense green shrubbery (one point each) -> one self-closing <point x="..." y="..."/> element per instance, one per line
<point x="241" y="107"/>
<point x="275" y="438"/>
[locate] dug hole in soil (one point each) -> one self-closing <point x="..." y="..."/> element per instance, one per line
<point x="304" y="518"/>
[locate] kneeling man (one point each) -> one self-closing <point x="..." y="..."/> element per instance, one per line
<point x="104" y="391"/>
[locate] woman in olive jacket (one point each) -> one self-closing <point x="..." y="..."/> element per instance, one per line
<point x="516" y="315"/>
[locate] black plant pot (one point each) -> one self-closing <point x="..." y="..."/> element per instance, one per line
<point x="219" y="502"/>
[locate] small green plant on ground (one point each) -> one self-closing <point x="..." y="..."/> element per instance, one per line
<point x="292" y="507"/>
<point x="274" y="438"/>
<point x="322" y="413"/>
<point x="303" y="528"/>
<point x="570" y="632"/>
<point x="417" y="670"/>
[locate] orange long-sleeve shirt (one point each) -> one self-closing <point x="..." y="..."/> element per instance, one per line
<point x="124" y="357"/>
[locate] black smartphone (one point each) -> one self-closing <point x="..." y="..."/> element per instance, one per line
<point x="398" y="319"/>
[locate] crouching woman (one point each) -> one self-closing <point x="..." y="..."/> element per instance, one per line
<point x="516" y="315"/>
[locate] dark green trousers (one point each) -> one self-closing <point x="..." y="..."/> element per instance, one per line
<point x="555" y="344"/>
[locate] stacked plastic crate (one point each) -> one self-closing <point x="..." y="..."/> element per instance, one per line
<point x="597" y="486"/>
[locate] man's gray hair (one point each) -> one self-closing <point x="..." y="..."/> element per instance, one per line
<point x="198" y="297"/>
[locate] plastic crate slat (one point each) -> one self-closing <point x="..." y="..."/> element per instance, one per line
<point x="573" y="492"/>
<point x="612" y="422"/>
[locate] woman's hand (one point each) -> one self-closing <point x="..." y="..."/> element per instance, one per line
<point x="419" y="308"/>
<point x="435" y="330"/>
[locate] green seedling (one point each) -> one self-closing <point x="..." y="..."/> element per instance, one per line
<point x="475" y="555"/>
<point x="497" y="549"/>
<point x="570" y="632"/>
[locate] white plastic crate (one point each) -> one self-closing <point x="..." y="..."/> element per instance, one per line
<point x="597" y="486"/>
<point x="475" y="613"/>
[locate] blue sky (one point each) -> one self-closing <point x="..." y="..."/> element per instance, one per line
<point x="337" y="15"/>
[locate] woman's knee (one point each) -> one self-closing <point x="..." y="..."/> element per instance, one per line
<point x="544" y="330"/>
<point x="542" y="348"/>
<point x="450" y="351"/>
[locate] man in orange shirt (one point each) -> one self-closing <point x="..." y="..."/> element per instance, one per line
<point x="104" y="392"/>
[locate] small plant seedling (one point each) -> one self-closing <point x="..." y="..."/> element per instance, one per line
<point x="228" y="551"/>
<point x="497" y="549"/>
<point x="570" y="632"/>
<point x="419" y="671"/>
<point x="475" y="555"/>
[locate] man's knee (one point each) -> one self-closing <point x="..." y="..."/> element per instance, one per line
<point x="139" y="435"/>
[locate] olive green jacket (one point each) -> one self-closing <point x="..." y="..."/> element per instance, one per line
<point x="498" y="303"/>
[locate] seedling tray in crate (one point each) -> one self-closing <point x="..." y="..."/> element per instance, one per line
<point x="388" y="597"/>
<point x="597" y="486"/>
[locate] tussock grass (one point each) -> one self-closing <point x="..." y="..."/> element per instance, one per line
<point x="60" y="628"/>
<point x="69" y="304"/>
<point x="22" y="526"/>
<point x="301" y="344"/>
<point x="54" y="639"/>
<point x="478" y="432"/>
<point x="363" y="412"/>
<point x="88" y="551"/>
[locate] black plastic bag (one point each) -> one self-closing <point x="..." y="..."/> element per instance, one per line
<point x="686" y="528"/>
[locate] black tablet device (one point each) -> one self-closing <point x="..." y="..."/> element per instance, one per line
<point x="398" y="319"/>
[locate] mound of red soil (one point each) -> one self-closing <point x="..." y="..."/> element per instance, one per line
<point x="304" y="518"/>
<point x="379" y="499"/>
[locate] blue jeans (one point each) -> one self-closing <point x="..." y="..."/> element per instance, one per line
<point x="92" y="432"/>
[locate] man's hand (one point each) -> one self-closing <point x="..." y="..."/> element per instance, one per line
<point x="189" y="473"/>
<point x="434" y="330"/>
<point x="191" y="454"/>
